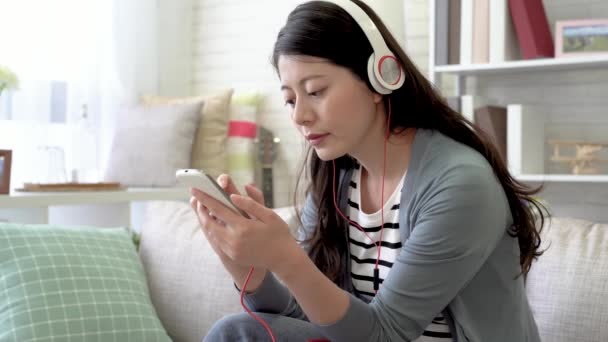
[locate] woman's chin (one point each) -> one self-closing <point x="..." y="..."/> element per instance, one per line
<point x="326" y="154"/>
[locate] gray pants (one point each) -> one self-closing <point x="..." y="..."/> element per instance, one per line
<point x="242" y="327"/>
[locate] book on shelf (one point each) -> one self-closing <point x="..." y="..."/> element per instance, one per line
<point x="468" y="104"/>
<point x="487" y="116"/>
<point x="503" y="42"/>
<point x="492" y="120"/>
<point x="441" y="31"/>
<point x="454" y="32"/>
<point x="447" y="31"/>
<point x="466" y="31"/>
<point x="532" y="28"/>
<point x="490" y="31"/>
<point x="481" y="31"/>
<point x="454" y="103"/>
<point x="526" y="139"/>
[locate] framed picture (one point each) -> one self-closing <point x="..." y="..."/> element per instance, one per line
<point x="581" y="37"/>
<point x="5" y="171"/>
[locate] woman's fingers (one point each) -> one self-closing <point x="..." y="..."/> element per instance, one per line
<point x="211" y="227"/>
<point x="255" y="193"/>
<point x="227" y="184"/>
<point x="219" y="209"/>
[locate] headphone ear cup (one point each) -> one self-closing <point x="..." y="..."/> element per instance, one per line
<point x="389" y="72"/>
<point x="371" y="75"/>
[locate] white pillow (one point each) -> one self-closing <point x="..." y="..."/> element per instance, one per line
<point x="190" y="288"/>
<point x="150" y="143"/>
<point x="566" y="286"/>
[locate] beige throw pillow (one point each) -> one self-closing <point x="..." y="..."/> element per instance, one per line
<point x="209" y="149"/>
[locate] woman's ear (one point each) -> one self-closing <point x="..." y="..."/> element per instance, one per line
<point x="377" y="97"/>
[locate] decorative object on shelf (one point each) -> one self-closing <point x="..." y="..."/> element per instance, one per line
<point x="586" y="155"/>
<point x="267" y="154"/>
<point x="60" y="187"/>
<point x="84" y="149"/>
<point x="581" y="37"/>
<point x="532" y="28"/>
<point x="5" y="171"/>
<point x="51" y="164"/>
<point x="8" y="80"/>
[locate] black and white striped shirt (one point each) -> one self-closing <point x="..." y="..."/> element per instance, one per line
<point x="363" y="252"/>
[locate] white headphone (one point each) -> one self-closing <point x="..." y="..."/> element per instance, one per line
<point x="383" y="68"/>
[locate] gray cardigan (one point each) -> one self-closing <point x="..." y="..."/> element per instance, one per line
<point x="457" y="257"/>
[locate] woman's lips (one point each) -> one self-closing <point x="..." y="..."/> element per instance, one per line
<point x="316" y="139"/>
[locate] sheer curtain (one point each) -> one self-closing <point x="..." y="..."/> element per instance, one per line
<point x="72" y="56"/>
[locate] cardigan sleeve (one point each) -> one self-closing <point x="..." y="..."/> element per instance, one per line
<point x="274" y="297"/>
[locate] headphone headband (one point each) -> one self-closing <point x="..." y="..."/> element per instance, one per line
<point x="384" y="69"/>
<point x="366" y="24"/>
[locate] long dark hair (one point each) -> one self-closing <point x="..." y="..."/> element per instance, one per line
<point x="322" y="29"/>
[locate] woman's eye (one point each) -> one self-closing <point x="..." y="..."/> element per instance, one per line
<point x="316" y="93"/>
<point x="290" y="103"/>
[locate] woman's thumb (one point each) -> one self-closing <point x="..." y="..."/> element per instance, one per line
<point x="227" y="184"/>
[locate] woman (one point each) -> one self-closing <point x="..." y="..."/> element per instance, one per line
<point x="388" y="161"/>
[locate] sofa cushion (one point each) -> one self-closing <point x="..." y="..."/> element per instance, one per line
<point x="190" y="288"/>
<point x="567" y="287"/>
<point x="73" y="284"/>
<point x="151" y="142"/>
<point x="209" y="148"/>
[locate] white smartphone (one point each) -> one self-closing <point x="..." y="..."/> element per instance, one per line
<point x="200" y="180"/>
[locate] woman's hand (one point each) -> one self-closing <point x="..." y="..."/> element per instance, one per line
<point x="208" y="223"/>
<point x="262" y="241"/>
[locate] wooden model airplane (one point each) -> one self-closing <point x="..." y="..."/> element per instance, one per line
<point x="585" y="158"/>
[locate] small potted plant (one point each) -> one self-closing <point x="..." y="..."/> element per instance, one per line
<point x="8" y="80"/>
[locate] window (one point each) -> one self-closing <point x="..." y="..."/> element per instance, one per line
<point x="54" y="47"/>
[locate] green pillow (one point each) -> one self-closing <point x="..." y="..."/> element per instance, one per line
<point x="73" y="284"/>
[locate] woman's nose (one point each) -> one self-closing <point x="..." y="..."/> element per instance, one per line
<point x="302" y="114"/>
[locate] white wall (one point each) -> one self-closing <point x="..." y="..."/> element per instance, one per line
<point x="233" y="42"/>
<point x="175" y="42"/>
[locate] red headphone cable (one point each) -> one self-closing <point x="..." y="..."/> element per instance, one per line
<point x="377" y="243"/>
<point x="256" y="317"/>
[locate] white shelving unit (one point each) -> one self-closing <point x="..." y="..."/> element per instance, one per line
<point x="47" y="199"/>
<point x="536" y="65"/>
<point x="462" y="73"/>
<point x="97" y="208"/>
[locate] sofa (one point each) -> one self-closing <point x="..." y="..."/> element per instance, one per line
<point x="187" y="290"/>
